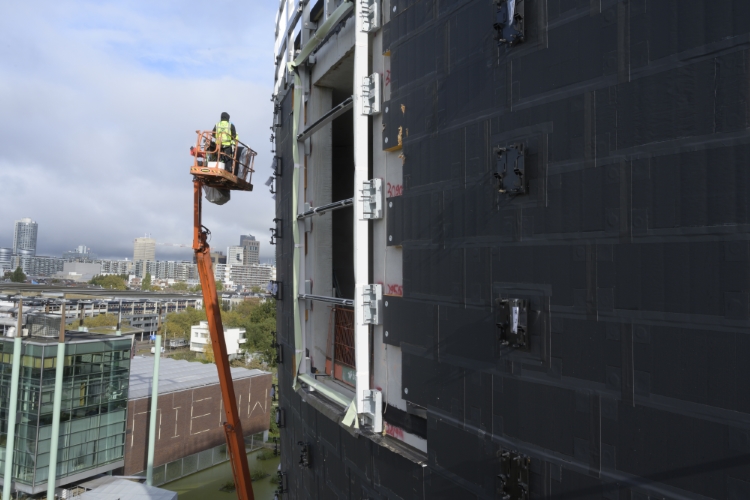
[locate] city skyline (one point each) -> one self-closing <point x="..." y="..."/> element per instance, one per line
<point x="165" y="252"/>
<point x="166" y="86"/>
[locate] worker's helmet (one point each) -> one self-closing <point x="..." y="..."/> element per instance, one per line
<point x="225" y="116"/>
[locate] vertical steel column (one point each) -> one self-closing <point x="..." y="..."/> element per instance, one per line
<point x="56" y="408"/>
<point x="13" y="405"/>
<point x="81" y="315"/>
<point x="119" y="321"/>
<point x="152" y="416"/>
<point x="361" y="225"/>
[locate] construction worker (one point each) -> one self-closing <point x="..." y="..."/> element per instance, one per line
<point x="225" y="136"/>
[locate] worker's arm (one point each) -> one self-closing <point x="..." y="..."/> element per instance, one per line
<point x="234" y="132"/>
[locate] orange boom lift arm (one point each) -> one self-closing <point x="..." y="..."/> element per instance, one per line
<point x="237" y="177"/>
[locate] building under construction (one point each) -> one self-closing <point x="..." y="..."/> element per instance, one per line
<point x="512" y="248"/>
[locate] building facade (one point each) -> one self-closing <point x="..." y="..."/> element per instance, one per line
<point x="235" y="256"/>
<point x="200" y="338"/>
<point x="92" y="429"/>
<point x="220" y="272"/>
<point x="6" y="259"/>
<point x="190" y="415"/>
<point x="546" y="247"/>
<point x="116" y="266"/>
<point x="249" y="276"/>
<point x="24" y="236"/>
<point x="251" y="246"/>
<point x="38" y="265"/>
<point x="81" y="253"/>
<point x="144" y="249"/>
<point x="80" y="271"/>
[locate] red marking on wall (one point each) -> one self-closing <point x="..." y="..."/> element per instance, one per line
<point x="394" y="189"/>
<point x="387" y="77"/>
<point x="397" y="290"/>
<point x="394" y="431"/>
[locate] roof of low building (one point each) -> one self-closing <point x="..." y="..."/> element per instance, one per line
<point x="120" y="489"/>
<point x="177" y="375"/>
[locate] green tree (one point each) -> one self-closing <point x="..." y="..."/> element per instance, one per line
<point x="257" y="318"/>
<point x="180" y="286"/>
<point x="196" y="289"/>
<point x="208" y="352"/>
<point x="18" y="276"/>
<point x="219" y="286"/>
<point x="259" y="321"/>
<point x="146" y="283"/>
<point x="178" y="323"/>
<point x="112" y="281"/>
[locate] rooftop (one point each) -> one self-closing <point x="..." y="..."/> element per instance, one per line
<point x="177" y="375"/>
<point x="120" y="489"/>
<point x="71" y="337"/>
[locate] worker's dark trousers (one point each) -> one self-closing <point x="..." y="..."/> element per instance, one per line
<point x="237" y="164"/>
<point x="226" y="157"/>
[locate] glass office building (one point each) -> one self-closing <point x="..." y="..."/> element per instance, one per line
<point x="94" y="405"/>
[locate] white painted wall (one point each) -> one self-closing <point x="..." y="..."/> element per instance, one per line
<point x="233" y="337"/>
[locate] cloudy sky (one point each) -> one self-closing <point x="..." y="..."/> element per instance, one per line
<point x="99" y="104"/>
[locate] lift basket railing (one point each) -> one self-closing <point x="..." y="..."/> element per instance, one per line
<point x="209" y="154"/>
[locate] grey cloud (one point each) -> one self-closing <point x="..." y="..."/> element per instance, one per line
<point x="96" y="144"/>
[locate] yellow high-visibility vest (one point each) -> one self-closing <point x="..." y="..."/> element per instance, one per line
<point x="224" y="133"/>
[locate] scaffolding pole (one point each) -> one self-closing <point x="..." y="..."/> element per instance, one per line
<point x="13" y="406"/>
<point x="56" y="407"/>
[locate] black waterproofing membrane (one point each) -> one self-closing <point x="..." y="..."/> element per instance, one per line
<point x="630" y="246"/>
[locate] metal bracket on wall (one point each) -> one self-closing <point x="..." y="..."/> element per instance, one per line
<point x="513" y="480"/>
<point x="283" y="485"/>
<point x="372" y="199"/>
<point x="336" y="205"/>
<point x="275" y="289"/>
<point x="276" y="231"/>
<point x="509" y="23"/>
<point x="373" y="410"/>
<point x="371" y="94"/>
<point x="324" y="298"/>
<point x="280" y="418"/>
<point x="510" y="169"/>
<point x="276" y="166"/>
<point x="513" y="323"/>
<point x="334" y="113"/>
<point x="372" y="297"/>
<point x="269" y="183"/>
<point x="308" y="292"/>
<point x="370" y="13"/>
<point x="304" y="454"/>
<point x="279" y="353"/>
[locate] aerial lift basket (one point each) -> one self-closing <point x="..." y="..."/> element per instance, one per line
<point x="221" y="171"/>
<point x="218" y="169"/>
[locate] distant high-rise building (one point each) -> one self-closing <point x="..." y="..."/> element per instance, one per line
<point x="251" y="246"/>
<point x="6" y="255"/>
<point x="144" y="249"/>
<point x="81" y="253"/>
<point x="235" y="256"/>
<point x="24" y="236"/>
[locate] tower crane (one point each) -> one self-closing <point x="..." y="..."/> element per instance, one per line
<point x="213" y="169"/>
